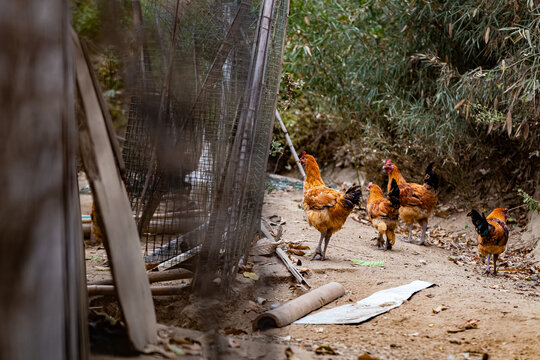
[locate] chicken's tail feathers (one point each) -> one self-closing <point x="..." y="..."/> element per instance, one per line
<point x="431" y="178"/>
<point x="393" y="195"/>
<point x="352" y="196"/>
<point x="479" y="221"/>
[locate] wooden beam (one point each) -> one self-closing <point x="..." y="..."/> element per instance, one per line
<point x="174" y="274"/>
<point x="95" y="290"/>
<point x="122" y="239"/>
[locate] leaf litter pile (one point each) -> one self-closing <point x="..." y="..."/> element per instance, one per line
<point x="515" y="264"/>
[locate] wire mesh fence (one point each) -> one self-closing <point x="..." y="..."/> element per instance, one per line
<point x="204" y="77"/>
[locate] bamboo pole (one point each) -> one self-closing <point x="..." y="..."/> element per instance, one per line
<point x="180" y="258"/>
<point x="288" y="264"/>
<point x="289" y="142"/>
<point x="292" y="269"/>
<point x="164" y="253"/>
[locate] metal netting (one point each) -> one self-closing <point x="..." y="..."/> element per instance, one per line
<point x="203" y="81"/>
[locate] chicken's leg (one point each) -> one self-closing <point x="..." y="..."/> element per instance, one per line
<point x="380" y="242"/>
<point x="380" y="239"/>
<point x="318" y="248"/>
<point x="389" y="240"/>
<point x="326" y="241"/>
<point x="422" y="237"/>
<point x="409" y="237"/>
<point x="495" y="257"/>
<point x="487" y="263"/>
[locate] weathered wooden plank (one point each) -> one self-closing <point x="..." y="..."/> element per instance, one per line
<point x="42" y="300"/>
<point x="106" y="115"/>
<point x="119" y="227"/>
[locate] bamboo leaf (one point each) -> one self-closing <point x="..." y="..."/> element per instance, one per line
<point x="525" y="130"/>
<point x="509" y="122"/>
<point x="377" y="263"/>
<point x="458" y="105"/>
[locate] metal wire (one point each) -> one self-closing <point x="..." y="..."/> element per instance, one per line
<point x="204" y="87"/>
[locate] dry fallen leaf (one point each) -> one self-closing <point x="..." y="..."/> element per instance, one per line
<point x="296" y="252"/>
<point x="366" y="356"/>
<point x="157" y="349"/>
<point x="251" y="275"/>
<point x="189" y="346"/>
<point x="439" y="308"/>
<point x="290" y="354"/>
<point x="233" y="343"/>
<point x="245" y="267"/>
<point x="298" y="246"/>
<point x="253" y="306"/>
<point x="234" y="331"/>
<point x="470" y="324"/>
<point x="325" y="350"/>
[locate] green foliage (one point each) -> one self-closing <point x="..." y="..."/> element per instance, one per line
<point x="532" y="204"/>
<point x="108" y="74"/>
<point x="277" y="148"/>
<point x="487" y="115"/>
<point x="376" y="263"/>
<point x="453" y="79"/>
<point x="269" y="187"/>
<point x="85" y="15"/>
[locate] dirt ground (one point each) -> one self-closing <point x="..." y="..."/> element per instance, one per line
<point x="505" y="308"/>
<point x="508" y="311"/>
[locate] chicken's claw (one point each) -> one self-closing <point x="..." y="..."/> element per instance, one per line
<point x="319" y="254"/>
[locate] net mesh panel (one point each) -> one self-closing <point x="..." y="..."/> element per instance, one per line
<point x="198" y="132"/>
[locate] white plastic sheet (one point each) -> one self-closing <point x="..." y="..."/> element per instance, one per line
<point x="376" y="304"/>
